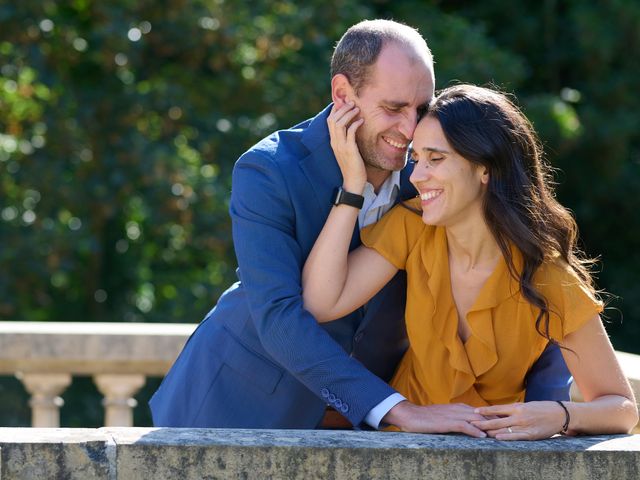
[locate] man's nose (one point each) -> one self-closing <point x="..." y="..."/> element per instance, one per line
<point x="408" y="124"/>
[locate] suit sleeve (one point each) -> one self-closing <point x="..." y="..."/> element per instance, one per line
<point x="270" y="261"/>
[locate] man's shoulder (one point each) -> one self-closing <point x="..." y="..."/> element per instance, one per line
<point x="291" y="144"/>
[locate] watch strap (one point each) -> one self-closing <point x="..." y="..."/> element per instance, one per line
<point x="342" y="197"/>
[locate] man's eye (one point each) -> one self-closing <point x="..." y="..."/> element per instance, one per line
<point x="394" y="109"/>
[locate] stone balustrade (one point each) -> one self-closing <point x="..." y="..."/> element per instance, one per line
<point x="193" y="454"/>
<point x="119" y="356"/>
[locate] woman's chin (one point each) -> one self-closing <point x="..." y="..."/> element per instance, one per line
<point x="431" y="220"/>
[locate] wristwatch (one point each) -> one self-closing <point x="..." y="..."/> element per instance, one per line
<point x="342" y="197"/>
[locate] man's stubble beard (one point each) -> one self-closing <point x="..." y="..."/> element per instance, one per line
<point x="373" y="159"/>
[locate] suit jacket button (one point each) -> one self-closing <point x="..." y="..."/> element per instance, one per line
<point x="332" y="398"/>
<point x="324" y="392"/>
<point x="338" y="404"/>
<point x="344" y="408"/>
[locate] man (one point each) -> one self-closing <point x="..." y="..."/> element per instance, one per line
<point x="259" y="360"/>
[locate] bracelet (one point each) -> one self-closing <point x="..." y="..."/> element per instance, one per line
<point x="567" y="417"/>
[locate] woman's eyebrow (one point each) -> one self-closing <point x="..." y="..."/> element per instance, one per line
<point x="433" y="149"/>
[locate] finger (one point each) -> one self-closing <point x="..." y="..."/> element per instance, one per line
<point x="494" y="424"/>
<point x="351" y="131"/>
<point x="468" y="429"/>
<point x="337" y="113"/>
<point x="513" y="435"/>
<point x="475" y="417"/>
<point x="347" y="117"/>
<point x="495" y="410"/>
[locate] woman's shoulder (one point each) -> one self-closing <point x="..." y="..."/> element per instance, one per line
<point x="407" y="216"/>
<point x="554" y="272"/>
<point x="556" y="278"/>
<point x="398" y="232"/>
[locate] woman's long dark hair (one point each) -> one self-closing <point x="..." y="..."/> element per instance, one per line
<point x="486" y="128"/>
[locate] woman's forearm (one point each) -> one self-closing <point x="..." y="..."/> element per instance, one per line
<point x="608" y="414"/>
<point x="325" y="271"/>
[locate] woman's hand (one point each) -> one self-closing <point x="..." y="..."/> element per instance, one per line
<point x="522" y="421"/>
<point x="342" y="130"/>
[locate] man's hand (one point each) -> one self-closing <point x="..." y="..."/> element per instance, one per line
<point x="435" y="418"/>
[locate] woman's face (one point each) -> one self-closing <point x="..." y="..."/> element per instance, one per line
<point x="451" y="188"/>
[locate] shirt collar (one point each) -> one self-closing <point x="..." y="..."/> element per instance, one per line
<point x="387" y="193"/>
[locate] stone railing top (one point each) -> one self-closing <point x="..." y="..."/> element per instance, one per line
<point x="124" y="453"/>
<point x="97" y="328"/>
<point x="90" y="347"/>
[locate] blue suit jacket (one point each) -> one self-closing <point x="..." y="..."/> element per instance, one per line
<point x="259" y="360"/>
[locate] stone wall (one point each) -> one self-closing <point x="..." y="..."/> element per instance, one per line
<point x="185" y="454"/>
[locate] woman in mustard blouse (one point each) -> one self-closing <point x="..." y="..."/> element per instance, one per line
<point x="493" y="275"/>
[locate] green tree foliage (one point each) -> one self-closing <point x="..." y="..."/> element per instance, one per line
<point x="120" y="122"/>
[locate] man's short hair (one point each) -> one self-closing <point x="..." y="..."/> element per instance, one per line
<point x="360" y="46"/>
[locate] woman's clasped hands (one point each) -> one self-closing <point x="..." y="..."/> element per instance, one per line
<point x="516" y="421"/>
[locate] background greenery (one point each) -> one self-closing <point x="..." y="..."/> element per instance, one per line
<point x="120" y="122"/>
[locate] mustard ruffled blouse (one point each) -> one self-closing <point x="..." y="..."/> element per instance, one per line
<point x="490" y="367"/>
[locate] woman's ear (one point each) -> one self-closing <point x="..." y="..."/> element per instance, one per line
<point x="484" y="177"/>
<point x="341" y="90"/>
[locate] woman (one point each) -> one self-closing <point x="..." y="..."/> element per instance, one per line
<point x="493" y="272"/>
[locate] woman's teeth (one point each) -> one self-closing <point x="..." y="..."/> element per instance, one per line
<point x="430" y="194"/>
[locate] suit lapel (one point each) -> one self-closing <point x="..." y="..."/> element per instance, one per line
<point x="320" y="166"/>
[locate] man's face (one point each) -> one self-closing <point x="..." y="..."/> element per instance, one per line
<point x="399" y="85"/>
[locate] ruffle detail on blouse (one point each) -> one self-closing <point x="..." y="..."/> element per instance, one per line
<point x="478" y="354"/>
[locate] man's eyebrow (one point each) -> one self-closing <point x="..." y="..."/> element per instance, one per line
<point x="395" y="104"/>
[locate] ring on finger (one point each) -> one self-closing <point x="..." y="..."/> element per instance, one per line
<point x="509" y="430"/>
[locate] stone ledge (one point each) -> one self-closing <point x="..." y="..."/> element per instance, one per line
<point x="141" y="453"/>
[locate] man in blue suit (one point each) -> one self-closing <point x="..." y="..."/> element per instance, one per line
<point x="259" y="360"/>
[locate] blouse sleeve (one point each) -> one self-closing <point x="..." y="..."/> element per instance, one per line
<point x="571" y="304"/>
<point x="395" y="235"/>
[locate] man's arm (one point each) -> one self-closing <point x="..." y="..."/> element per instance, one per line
<point x="549" y="378"/>
<point x="270" y="261"/>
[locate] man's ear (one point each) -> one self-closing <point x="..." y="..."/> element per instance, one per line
<point x="341" y="90"/>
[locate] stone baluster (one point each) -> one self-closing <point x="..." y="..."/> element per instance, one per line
<point x="45" y="402"/>
<point x="118" y="391"/>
